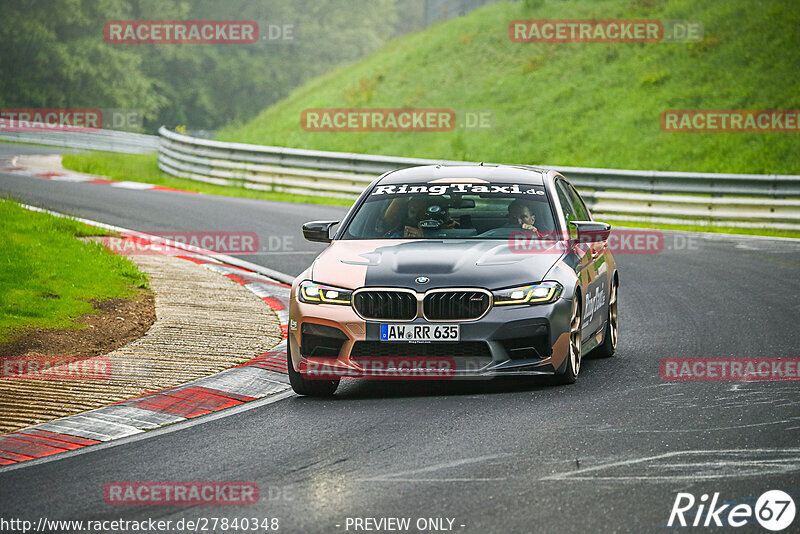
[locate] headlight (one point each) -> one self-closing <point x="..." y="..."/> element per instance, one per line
<point x="532" y="294"/>
<point x="313" y="293"/>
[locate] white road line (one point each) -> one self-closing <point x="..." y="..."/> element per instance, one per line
<point x="446" y="465"/>
<point x="581" y="474"/>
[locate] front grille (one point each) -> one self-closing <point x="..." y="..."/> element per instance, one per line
<point x="382" y="349"/>
<point x="455" y="305"/>
<point x="386" y="305"/>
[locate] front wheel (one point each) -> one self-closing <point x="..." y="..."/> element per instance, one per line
<point x="606" y="350"/>
<point x="303" y="386"/>
<point x="573" y="366"/>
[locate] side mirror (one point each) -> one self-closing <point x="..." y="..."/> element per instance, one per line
<point x="319" y="231"/>
<point x="591" y="231"/>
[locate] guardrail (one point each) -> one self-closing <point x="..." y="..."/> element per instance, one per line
<point x="108" y="140"/>
<point x="740" y="200"/>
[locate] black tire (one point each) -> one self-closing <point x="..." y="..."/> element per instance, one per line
<point x="611" y="335"/>
<point x="572" y="365"/>
<point x="309" y="388"/>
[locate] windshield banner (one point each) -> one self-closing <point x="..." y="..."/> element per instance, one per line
<point x="458" y="189"/>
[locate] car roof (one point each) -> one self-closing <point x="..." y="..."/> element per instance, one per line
<point x="492" y="173"/>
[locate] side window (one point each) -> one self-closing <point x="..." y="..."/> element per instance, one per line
<point x="576" y="208"/>
<point x="581" y="212"/>
<point x="566" y="205"/>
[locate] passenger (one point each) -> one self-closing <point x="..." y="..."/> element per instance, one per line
<point x="520" y="216"/>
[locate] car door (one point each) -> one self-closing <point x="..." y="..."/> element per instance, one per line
<point x="579" y="254"/>
<point x="596" y="272"/>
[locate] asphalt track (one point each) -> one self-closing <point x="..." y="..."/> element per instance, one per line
<point x="608" y="454"/>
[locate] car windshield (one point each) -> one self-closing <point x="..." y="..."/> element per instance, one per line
<point x="452" y="211"/>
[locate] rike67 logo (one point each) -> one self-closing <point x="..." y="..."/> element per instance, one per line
<point x="774" y="510"/>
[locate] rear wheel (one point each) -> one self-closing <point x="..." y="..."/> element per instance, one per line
<point x="606" y="350"/>
<point x="573" y="364"/>
<point x="303" y="386"/>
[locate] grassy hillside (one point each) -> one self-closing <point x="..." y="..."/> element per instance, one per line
<point x="595" y="105"/>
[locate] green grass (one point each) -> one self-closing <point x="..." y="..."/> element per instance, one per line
<point x="144" y="168"/>
<point x="48" y="277"/>
<point x="593" y="105"/>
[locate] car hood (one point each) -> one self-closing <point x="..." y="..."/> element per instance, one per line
<point x="447" y="263"/>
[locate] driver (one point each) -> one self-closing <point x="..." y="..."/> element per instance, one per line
<point x="416" y="211"/>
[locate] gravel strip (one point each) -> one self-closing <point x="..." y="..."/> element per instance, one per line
<point x="205" y="323"/>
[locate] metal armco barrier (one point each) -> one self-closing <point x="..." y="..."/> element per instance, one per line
<point x="108" y="140"/>
<point x="742" y="200"/>
<point x="739" y="200"/>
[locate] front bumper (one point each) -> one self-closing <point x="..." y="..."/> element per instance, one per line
<point x="332" y="341"/>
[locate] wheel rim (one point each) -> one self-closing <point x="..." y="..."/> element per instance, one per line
<point x="612" y="316"/>
<point x="575" y="338"/>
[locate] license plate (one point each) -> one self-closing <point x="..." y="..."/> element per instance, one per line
<point x="419" y="332"/>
